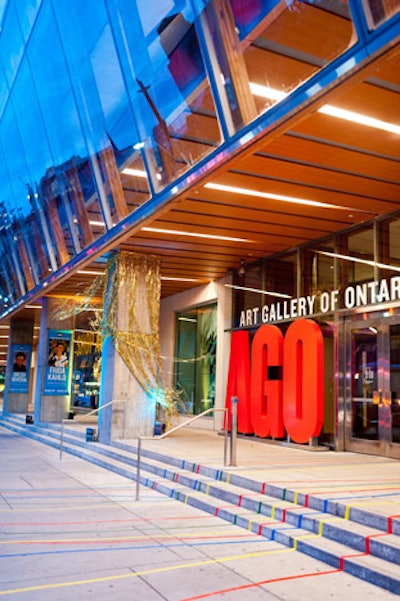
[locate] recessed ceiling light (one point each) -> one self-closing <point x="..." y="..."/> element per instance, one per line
<point x="171" y="279"/>
<point x="89" y="272"/>
<point x="270" y="196"/>
<point x="328" y="109"/>
<point x="135" y="172"/>
<point x="193" y="234"/>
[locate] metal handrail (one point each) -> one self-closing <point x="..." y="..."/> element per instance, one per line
<point x="179" y="427"/>
<point x="82" y="418"/>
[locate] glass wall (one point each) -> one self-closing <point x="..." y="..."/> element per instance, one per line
<point x="395" y="380"/>
<point x="267" y="49"/>
<point x="379" y="11"/>
<point x="129" y="97"/>
<point x="346" y="275"/>
<point x="122" y="93"/>
<point x="196" y="345"/>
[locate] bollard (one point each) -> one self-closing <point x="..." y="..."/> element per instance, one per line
<point x="234" y="402"/>
<point x="90" y="435"/>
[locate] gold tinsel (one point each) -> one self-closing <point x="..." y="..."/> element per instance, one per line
<point x="68" y="307"/>
<point x="138" y="346"/>
<point x="137" y="343"/>
<point x="87" y="342"/>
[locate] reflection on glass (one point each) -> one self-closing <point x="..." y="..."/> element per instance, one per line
<point x="176" y="115"/>
<point x="364" y="382"/>
<point x="272" y="47"/>
<point x="360" y="245"/>
<point x="379" y="11"/>
<point x="395" y="380"/>
<point x="281" y="274"/>
<point x="394" y="242"/>
<point x="196" y="359"/>
<point x="318" y="270"/>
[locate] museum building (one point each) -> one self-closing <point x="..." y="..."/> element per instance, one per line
<point x="199" y="202"/>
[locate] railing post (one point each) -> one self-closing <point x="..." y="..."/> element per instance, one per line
<point x="226" y="418"/>
<point x="139" y="452"/>
<point x="234" y="402"/>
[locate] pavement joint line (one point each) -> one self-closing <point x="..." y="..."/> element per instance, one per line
<point x="144" y="572"/>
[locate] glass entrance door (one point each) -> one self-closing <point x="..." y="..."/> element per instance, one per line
<point x="373" y="390"/>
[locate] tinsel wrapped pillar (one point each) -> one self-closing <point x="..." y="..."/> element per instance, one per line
<point x="130" y="374"/>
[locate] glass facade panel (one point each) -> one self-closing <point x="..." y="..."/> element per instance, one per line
<point x="394" y="242"/>
<point x="11" y="44"/>
<point x="249" y="284"/>
<point x="196" y="342"/>
<point x="379" y="11"/>
<point x="27" y="12"/>
<point x="168" y="87"/>
<point x="281" y="274"/>
<point x="395" y="380"/>
<point x="360" y="250"/>
<point x="364" y="383"/>
<point x="318" y="270"/>
<point x="272" y="47"/>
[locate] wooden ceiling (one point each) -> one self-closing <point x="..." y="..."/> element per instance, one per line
<point x="350" y="167"/>
<point x="315" y="157"/>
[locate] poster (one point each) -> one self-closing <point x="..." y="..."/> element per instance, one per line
<point x="20" y="367"/>
<point x="57" y="378"/>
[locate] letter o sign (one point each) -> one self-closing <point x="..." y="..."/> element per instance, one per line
<point x="303" y="385"/>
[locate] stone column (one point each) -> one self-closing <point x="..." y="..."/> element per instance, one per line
<point x="18" y="370"/>
<point x="49" y="407"/>
<point x="130" y="351"/>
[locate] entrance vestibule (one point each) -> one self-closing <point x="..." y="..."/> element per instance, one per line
<point x="372" y="385"/>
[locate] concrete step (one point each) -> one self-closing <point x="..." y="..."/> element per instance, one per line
<point x="330" y="535"/>
<point x="328" y="506"/>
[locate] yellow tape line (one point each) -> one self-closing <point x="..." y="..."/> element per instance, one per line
<point x="142" y="573"/>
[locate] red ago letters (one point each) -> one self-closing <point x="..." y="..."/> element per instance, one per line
<point x="284" y="389"/>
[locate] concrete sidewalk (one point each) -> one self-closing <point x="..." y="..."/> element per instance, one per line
<point x="72" y="529"/>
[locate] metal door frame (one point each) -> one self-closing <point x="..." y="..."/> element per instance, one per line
<point x="382" y="322"/>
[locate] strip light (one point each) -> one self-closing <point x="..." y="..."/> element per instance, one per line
<point x="89" y="272"/>
<point x="328" y="109"/>
<point x="138" y="173"/>
<point x="281" y="197"/>
<point x="171" y="279"/>
<point x="278" y="294"/>
<point x="193" y="234"/>
<point x="356" y="260"/>
<point x="134" y="172"/>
